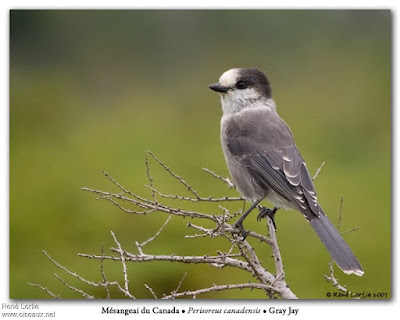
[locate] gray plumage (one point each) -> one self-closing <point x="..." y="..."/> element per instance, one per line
<point x="264" y="161"/>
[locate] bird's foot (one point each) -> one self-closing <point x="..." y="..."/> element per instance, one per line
<point x="239" y="224"/>
<point x="242" y="231"/>
<point x="266" y="212"/>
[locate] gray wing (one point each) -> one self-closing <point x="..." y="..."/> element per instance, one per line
<point x="265" y="146"/>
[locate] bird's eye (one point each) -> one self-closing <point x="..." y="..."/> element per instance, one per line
<point x="241" y="85"/>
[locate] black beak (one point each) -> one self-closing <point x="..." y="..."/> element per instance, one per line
<point x="218" y="88"/>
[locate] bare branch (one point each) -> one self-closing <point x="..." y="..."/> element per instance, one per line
<point x="69" y="272"/>
<point x="146" y="162"/>
<point x="157" y="233"/>
<point x="91" y="283"/>
<point x="102" y="272"/>
<point x="225" y="260"/>
<point x="189" y="187"/>
<point x="115" y="182"/>
<point x="254" y="264"/>
<point x="348" y="231"/>
<point x="318" y="171"/>
<point x="220" y="288"/>
<point x="240" y="256"/>
<point x="332" y="279"/>
<point x="151" y="291"/>
<point x="180" y="282"/>
<point x="197" y="199"/>
<point x="125" y="269"/>
<point x="45" y="290"/>
<point x="340" y="213"/>
<point x="84" y="294"/>
<point x="147" y="204"/>
<point x="173" y="293"/>
<point x="226" y="228"/>
<point x="226" y="179"/>
<point x="280" y="274"/>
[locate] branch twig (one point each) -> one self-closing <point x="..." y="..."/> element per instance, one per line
<point x="125" y="269"/>
<point x="318" y="171"/>
<point x="226" y="179"/>
<point x="45" y="290"/>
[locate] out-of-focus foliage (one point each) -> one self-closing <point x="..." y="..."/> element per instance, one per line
<point x="93" y="90"/>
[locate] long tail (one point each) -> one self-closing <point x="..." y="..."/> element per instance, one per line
<point x="337" y="247"/>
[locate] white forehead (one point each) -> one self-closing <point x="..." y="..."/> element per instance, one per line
<point x="229" y="77"/>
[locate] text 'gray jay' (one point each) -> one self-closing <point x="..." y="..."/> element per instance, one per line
<point x="264" y="162"/>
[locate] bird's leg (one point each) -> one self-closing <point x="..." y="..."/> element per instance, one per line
<point x="266" y="212"/>
<point x="239" y="224"/>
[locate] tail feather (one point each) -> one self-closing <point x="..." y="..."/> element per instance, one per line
<point x="337" y="247"/>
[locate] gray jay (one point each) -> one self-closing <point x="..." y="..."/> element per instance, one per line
<point x="265" y="163"/>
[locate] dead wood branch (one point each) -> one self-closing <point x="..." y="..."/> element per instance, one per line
<point x="241" y="255"/>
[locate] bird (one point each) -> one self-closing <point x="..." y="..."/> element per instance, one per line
<point x="265" y="163"/>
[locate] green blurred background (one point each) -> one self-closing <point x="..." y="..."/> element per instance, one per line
<point x="93" y="90"/>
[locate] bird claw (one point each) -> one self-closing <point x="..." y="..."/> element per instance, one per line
<point x="242" y="231"/>
<point x="266" y="212"/>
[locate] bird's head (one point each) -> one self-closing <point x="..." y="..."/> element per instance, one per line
<point x="242" y="88"/>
